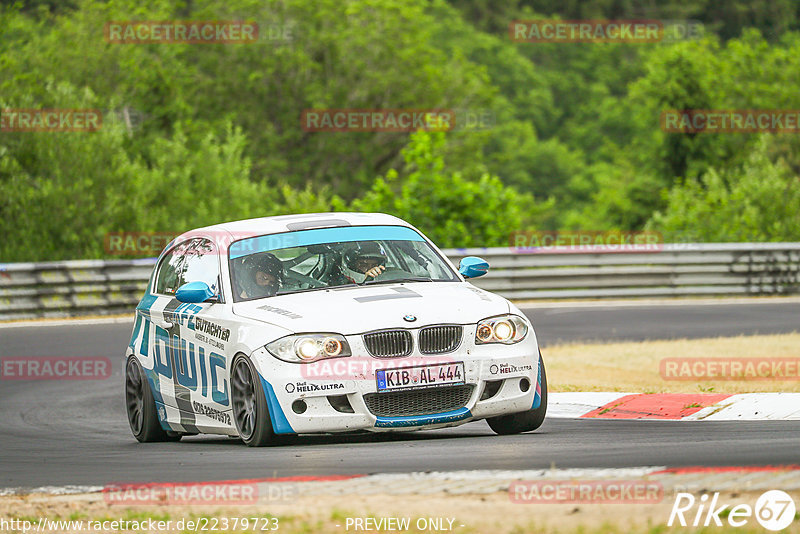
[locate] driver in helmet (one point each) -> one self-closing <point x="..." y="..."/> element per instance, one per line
<point x="261" y="276"/>
<point x="366" y="260"/>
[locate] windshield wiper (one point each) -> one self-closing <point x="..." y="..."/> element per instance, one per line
<point x="307" y="289"/>
<point x="398" y="280"/>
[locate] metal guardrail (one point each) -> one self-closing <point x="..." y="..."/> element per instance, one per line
<point x="72" y="288"/>
<point x="686" y="269"/>
<point x="97" y="287"/>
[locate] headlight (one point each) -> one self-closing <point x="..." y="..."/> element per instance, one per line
<point x="507" y="329"/>
<point x="304" y="348"/>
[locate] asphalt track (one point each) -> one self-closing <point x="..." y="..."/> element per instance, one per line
<point x="56" y="433"/>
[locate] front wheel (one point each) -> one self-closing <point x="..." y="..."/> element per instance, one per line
<point x="525" y="421"/>
<point x="141" y="406"/>
<point x="250" y="411"/>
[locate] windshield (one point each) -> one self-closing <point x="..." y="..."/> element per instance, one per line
<point x="306" y="260"/>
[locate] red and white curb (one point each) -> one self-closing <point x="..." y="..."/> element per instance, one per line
<point x="676" y="406"/>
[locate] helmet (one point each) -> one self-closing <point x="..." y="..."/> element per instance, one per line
<point x="263" y="262"/>
<point x="364" y="251"/>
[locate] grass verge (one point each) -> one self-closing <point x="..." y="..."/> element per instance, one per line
<point x="634" y="367"/>
<point x="471" y="514"/>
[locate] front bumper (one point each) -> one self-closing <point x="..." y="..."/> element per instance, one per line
<point x="342" y="396"/>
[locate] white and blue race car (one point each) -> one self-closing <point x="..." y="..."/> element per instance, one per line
<point x="330" y="322"/>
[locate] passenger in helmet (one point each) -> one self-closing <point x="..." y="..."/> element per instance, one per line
<point x="365" y="260"/>
<point x="260" y="275"/>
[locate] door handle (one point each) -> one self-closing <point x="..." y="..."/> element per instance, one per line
<point x="166" y="325"/>
<point x="160" y="322"/>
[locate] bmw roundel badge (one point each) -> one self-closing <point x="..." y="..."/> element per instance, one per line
<point x="410" y="318"/>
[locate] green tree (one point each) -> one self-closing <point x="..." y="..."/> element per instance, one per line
<point x="63" y="191"/>
<point x="453" y="210"/>
<point x="760" y="201"/>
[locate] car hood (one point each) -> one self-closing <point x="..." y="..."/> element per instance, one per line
<point x="353" y="310"/>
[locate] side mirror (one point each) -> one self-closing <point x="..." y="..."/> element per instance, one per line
<point x="194" y="292"/>
<point x="473" y="267"/>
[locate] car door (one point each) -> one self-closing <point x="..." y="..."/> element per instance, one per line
<point x="183" y="368"/>
<point x="201" y="377"/>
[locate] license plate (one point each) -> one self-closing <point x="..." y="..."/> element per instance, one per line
<point x="421" y="376"/>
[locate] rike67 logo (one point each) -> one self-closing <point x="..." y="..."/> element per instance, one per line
<point x="774" y="510"/>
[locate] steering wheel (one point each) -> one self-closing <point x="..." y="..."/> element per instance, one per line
<point x="303" y="281"/>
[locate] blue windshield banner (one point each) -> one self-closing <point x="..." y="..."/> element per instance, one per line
<point x="301" y="238"/>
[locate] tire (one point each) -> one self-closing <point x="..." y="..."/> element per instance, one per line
<point x="250" y="411"/>
<point x="141" y="407"/>
<point x="524" y="421"/>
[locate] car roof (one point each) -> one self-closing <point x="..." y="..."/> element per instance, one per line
<point x="304" y="221"/>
